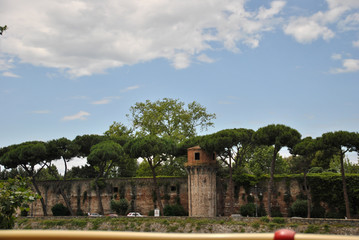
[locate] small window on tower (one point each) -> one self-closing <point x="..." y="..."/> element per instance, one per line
<point x="196" y="156"/>
<point x="214" y="156"/>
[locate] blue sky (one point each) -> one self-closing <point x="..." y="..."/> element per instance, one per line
<point x="70" y="68"/>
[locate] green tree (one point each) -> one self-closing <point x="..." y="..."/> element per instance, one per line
<point x="230" y="145"/>
<point x="32" y="157"/>
<point x="102" y="157"/>
<point x="14" y="193"/>
<point x="170" y="118"/>
<point x="343" y="142"/>
<point x="260" y="159"/>
<point x="2" y="29"/>
<point x="278" y="136"/>
<point x="306" y="149"/>
<point x="65" y="150"/>
<point x="85" y="143"/>
<point x="118" y="129"/>
<point x="154" y="150"/>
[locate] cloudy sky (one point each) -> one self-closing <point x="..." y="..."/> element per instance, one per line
<point x="69" y="68"/>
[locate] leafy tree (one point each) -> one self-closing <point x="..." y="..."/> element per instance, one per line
<point x="118" y="129"/>
<point x="119" y="206"/>
<point x="170" y="118"/>
<point x="85" y="171"/>
<point x="102" y="157"/>
<point x="154" y="150"/>
<point x="85" y="143"/>
<point x="230" y="145"/>
<point x="65" y="150"/>
<point x="2" y="29"/>
<point x="14" y="193"/>
<point x="259" y="161"/>
<point x="278" y="136"/>
<point x="28" y="155"/>
<point x="306" y="149"/>
<point x="343" y="142"/>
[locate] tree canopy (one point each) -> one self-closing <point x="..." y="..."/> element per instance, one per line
<point x="170" y="118"/>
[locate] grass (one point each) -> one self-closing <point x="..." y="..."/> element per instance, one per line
<point x="179" y="225"/>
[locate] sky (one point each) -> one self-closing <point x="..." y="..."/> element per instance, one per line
<point x="70" y="68"/>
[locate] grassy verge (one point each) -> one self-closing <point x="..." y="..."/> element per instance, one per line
<point x="181" y="225"/>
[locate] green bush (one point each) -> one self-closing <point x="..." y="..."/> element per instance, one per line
<point x="60" y="210"/>
<point x="299" y="208"/>
<point x="317" y="211"/>
<point x="276" y="212"/>
<point x="278" y="220"/>
<point x="119" y="206"/>
<point x="174" y="210"/>
<point x="248" y="210"/>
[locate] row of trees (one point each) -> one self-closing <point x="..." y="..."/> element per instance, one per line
<point x="160" y="134"/>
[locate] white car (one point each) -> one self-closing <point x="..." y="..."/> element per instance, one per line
<point x="134" y="214"/>
<point x="95" y="215"/>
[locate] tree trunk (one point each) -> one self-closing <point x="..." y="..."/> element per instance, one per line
<point x="67" y="201"/>
<point x="157" y="190"/>
<point x="41" y="198"/>
<point x="270" y="185"/>
<point x="98" y="193"/>
<point x="230" y="187"/>
<point x="309" y="196"/>
<point x="346" y="199"/>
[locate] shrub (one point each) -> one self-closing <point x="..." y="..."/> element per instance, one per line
<point x="278" y="220"/>
<point x="276" y="212"/>
<point x="119" y="206"/>
<point x="174" y="210"/>
<point x="248" y="210"/>
<point x="265" y="219"/>
<point x="318" y="211"/>
<point x="299" y="208"/>
<point x="60" y="210"/>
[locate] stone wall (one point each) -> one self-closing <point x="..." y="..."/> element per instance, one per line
<point x="137" y="191"/>
<point x="139" y="194"/>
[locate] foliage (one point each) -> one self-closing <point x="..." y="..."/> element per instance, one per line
<point x="299" y="208"/>
<point x="60" y="210"/>
<point x="119" y="206"/>
<point x="259" y="162"/>
<point x="170" y="118"/>
<point x="248" y="209"/>
<point x="14" y="193"/>
<point x="2" y="29"/>
<point x="174" y="210"/>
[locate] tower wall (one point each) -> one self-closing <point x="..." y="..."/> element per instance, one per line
<point x="202" y="192"/>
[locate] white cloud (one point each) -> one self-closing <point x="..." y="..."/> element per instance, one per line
<point x="131" y="88"/>
<point x="82" y="115"/>
<point x="82" y="38"/>
<point x="306" y="30"/>
<point x="204" y="58"/>
<point x="336" y="56"/>
<point x="10" y="74"/>
<point x="356" y="44"/>
<point x="310" y="28"/>
<point x="102" y="101"/>
<point x="349" y="65"/>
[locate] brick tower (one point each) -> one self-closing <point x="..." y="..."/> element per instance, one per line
<point x="201" y="167"/>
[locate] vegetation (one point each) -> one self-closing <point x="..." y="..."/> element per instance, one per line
<point x="186" y="225"/>
<point x="159" y="136"/>
<point x="14" y="193"/>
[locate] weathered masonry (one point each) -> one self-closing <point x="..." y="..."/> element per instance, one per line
<point x="202" y="190"/>
<point x="202" y="194"/>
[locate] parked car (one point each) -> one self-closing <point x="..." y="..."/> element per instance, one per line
<point x="134" y="214"/>
<point x="95" y="215"/>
